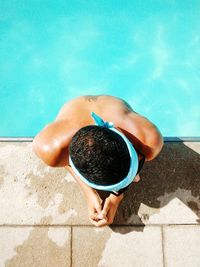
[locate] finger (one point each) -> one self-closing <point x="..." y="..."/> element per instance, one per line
<point x="94" y="216"/>
<point x="99" y="223"/>
<point x="101" y="216"/>
<point x="100" y="213"/>
<point x="93" y="221"/>
<point x="102" y="223"/>
<point x="105" y="208"/>
<point x="98" y="209"/>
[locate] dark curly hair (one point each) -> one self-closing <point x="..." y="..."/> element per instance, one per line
<point x="100" y="155"/>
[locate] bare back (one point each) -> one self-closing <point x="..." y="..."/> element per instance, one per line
<point x="75" y="114"/>
<point x="108" y="107"/>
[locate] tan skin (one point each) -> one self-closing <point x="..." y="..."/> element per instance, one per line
<point x="52" y="143"/>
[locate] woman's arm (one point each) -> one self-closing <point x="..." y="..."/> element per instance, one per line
<point x="94" y="202"/>
<point x="51" y="144"/>
<point x="144" y="135"/>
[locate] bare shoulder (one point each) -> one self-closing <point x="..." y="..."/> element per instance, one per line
<point x="125" y="106"/>
<point x="50" y="143"/>
<point x="143" y="133"/>
<point x="104" y="104"/>
<point x="52" y="131"/>
<point x="107" y="99"/>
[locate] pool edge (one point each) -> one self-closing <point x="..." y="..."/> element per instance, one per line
<point x="166" y="139"/>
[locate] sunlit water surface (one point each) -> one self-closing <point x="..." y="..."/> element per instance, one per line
<point x="146" y="52"/>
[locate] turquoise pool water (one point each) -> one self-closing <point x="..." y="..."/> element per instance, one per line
<point x="147" y="52"/>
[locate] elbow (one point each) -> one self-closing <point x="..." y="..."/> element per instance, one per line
<point x="44" y="152"/>
<point x="155" y="148"/>
<point x="160" y="144"/>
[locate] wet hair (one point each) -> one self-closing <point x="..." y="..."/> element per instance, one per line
<point x="100" y="155"/>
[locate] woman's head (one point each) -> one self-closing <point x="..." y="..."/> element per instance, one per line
<point x="100" y="155"/>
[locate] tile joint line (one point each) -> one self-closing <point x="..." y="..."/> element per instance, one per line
<point x="92" y="226"/>
<point x="163" y="245"/>
<point x="71" y="247"/>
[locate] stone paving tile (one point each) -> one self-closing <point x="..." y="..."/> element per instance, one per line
<point x="169" y="189"/>
<point x="119" y="246"/>
<point x="35" y="247"/>
<point x="182" y="246"/>
<point x="33" y="193"/>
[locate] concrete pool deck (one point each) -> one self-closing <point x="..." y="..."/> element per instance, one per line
<point x="44" y="221"/>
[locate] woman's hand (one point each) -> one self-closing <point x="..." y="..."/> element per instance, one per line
<point x="93" y="199"/>
<point x="109" y="210"/>
<point x="100" y="214"/>
<point x="94" y="203"/>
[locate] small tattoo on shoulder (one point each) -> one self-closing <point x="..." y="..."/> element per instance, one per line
<point x="91" y="98"/>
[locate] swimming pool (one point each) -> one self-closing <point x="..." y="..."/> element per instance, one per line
<point x="146" y="52"/>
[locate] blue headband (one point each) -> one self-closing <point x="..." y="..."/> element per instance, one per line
<point x="133" y="161"/>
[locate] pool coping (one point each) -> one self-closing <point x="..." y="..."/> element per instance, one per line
<point x="166" y="139"/>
